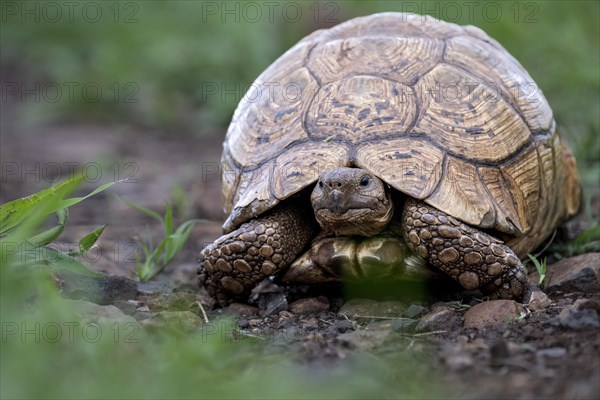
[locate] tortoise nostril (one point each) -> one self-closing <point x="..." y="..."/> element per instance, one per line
<point x="339" y="184"/>
<point x="330" y="185"/>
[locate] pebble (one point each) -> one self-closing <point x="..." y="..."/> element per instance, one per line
<point x="459" y="362"/>
<point x="310" y="305"/>
<point x="492" y="313"/>
<point x="126" y="306"/>
<point x="552" y="352"/>
<point x="274" y="303"/>
<point x="364" y="339"/>
<point x="538" y="301"/>
<point x="414" y="311"/>
<point x="440" y="319"/>
<point x="343" y="325"/>
<point x="243" y="323"/>
<point x="153" y="287"/>
<point x="576" y="318"/>
<point x="142" y="315"/>
<point x="243" y="310"/>
<point x="499" y="353"/>
<point x="402" y="325"/>
<point x="310" y="324"/>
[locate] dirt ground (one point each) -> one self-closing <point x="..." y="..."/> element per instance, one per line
<point x="545" y="351"/>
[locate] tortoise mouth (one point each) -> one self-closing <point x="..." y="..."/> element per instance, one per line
<point x="349" y="214"/>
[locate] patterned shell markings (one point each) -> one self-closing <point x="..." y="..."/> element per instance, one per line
<point x="440" y="112"/>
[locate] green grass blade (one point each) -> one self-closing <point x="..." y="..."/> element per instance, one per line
<point x="540" y="267"/>
<point x="14" y="212"/>
<point x="168" y="226"/>
<point x="143" y="210"/>
<point x="51" y="234"/>
<point x="57" y="261"/>
<point x="180" y="237"/>
<point x="589" y="235"/>
<point x="75" y="200"/>
<point x="168" y="219"/>
<point x="89" y="240"/>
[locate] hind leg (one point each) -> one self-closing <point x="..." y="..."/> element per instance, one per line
<point x="471" y="257"/>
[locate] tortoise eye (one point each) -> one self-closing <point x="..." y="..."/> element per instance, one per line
<point x="320" y="183"/>
<point x="365" y="180"/>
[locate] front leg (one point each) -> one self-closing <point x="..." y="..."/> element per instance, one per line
<point x="237" y="261"/>
<point x="471" y="257"/>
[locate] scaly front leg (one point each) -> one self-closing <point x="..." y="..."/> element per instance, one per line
<point x="237" y="261"/>
<point x="471" y="257"/>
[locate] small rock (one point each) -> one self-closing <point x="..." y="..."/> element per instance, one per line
<point x="460" y="362"/>
<point x="538" y="301"/>
<point x="364" y="339"/>
<point x="491" y="314"/>
<point x="456" y="356"/>
<point x="310" y="305"/>
<point x="440" y="319"/>
<point x="103" y="290"/>
<point x="414" y="311"/>
<point x="358" y="307"/>
<point x="575" y="274"/>
<point x="499" y="353"/>
<point x="255" y="322"/>
<point x="552" y="352"/>
<point x="369" y="309"/>
<point x="272" y="303"/>
<point x="310" y="324"/>
<point x="284" y="315"/>
<point x="175" y="321"/>
<point x="243" y="323"/>
<point x="402" y="325"/>
<point x="593" y="304"/>
<point x="142" y="315"/>
<point x="577" y="319"/>
<point x="153" y="287"/>
<point x="176" y="301"/>
<point x="391" y="308"/>
<point x="243" y="310"/>
<point x="343" y="325"/>
<point x="266" y="286"/>
<point x="126" y="306"/>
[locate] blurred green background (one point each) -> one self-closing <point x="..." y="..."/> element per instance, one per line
<point x="171" y="51"/>
<point x="156" y="64"/>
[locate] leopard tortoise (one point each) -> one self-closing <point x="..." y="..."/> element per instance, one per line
<point x="386" y="140"/>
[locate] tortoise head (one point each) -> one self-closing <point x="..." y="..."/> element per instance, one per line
<point x="351" y="201"/>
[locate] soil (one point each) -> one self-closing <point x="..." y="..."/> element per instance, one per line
<point x="550" y="352"/>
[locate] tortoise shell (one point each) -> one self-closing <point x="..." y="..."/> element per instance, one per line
<point x="438" y="111"/>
